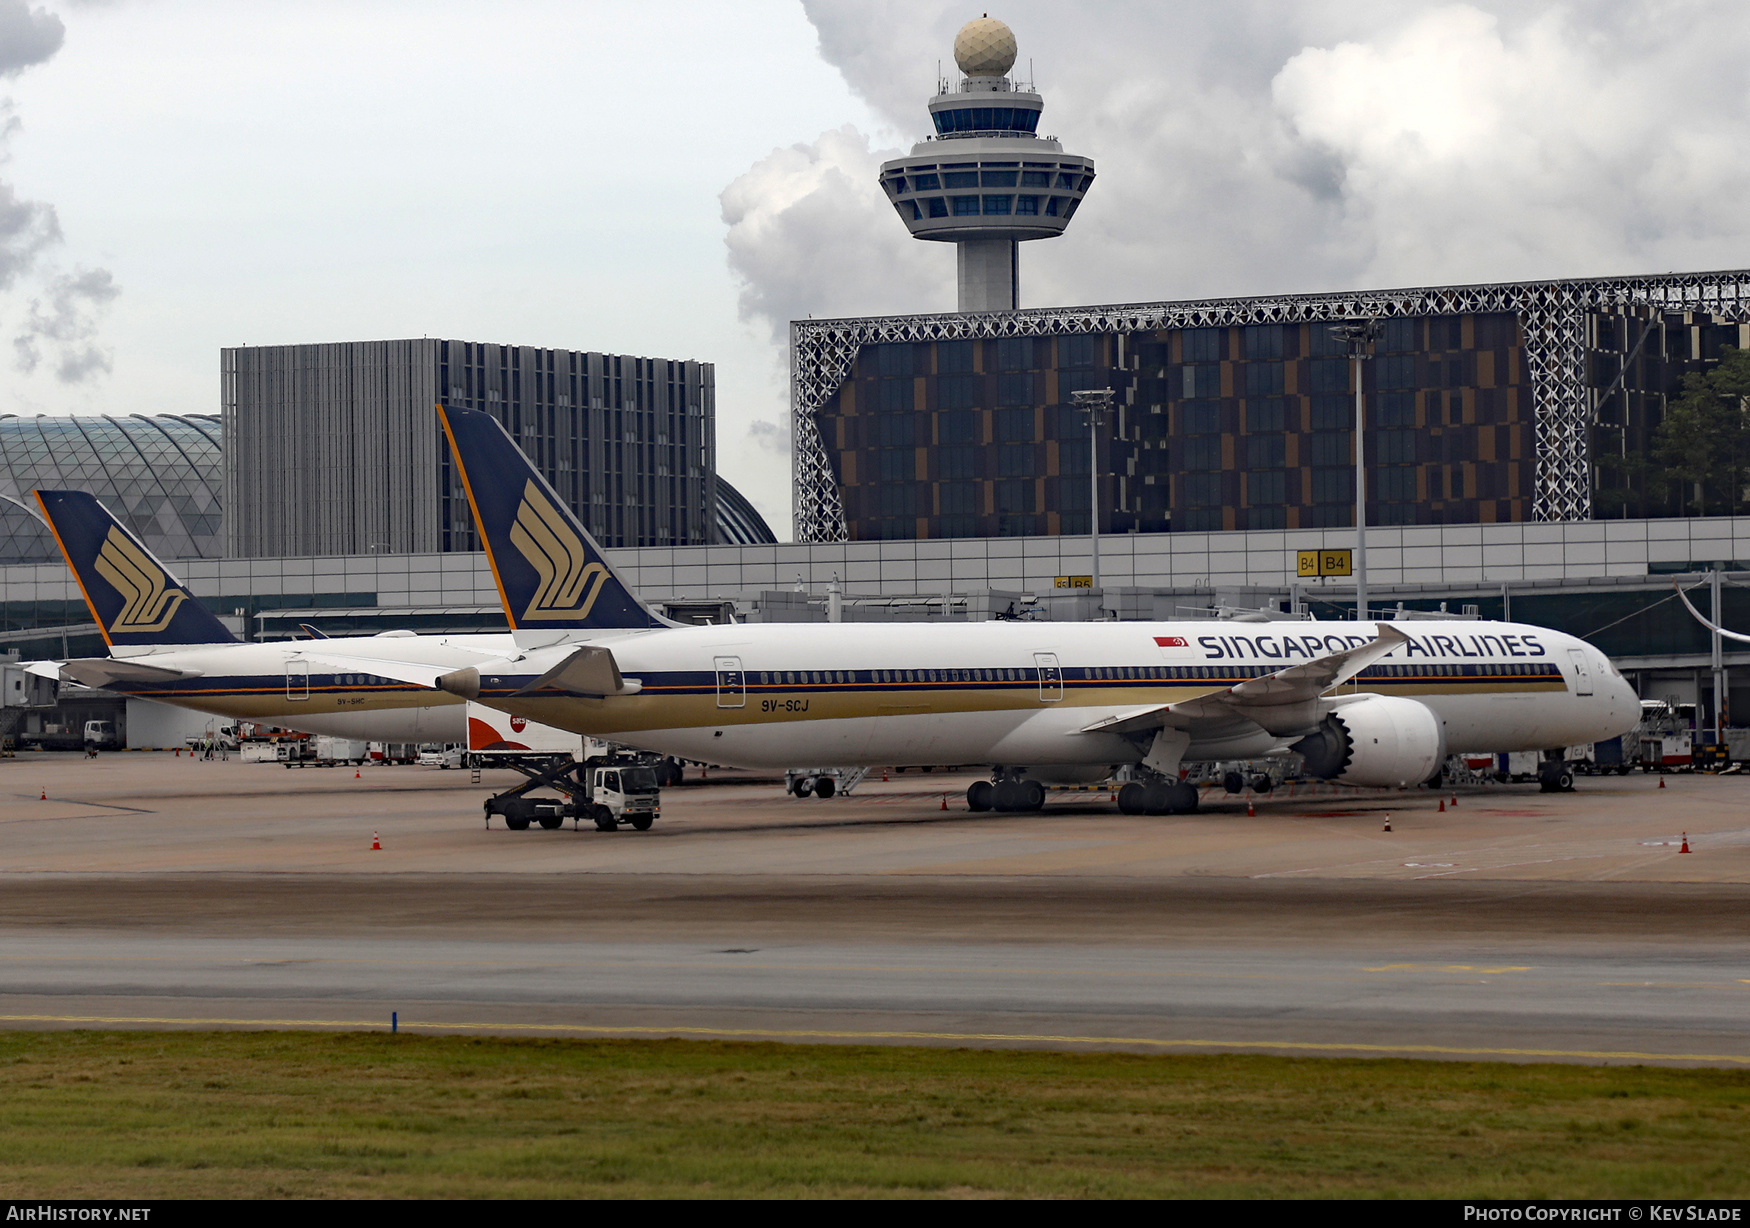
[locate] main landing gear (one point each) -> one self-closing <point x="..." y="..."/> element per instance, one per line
<point x="1009" y="794"/>
<point x="1157" y="796"/>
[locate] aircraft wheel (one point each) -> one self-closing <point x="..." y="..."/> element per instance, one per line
<point x="1032" y="795"/>
<point x="1157" y="797"/>
<point x="642" y="822"/>
<point x="1130" y="799"/>
<point x="1262" y="784"/>
<point x="825" y="787"/>
<point x="1007" y="795"/>
<point x="1184" y="799"/>
<point x="978" y="795"/>
<point x="1233" y="782"/>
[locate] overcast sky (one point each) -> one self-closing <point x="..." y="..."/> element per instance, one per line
<point x="682" y="180"/>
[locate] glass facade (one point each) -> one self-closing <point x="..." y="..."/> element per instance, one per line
<point x="1640" y="358"/>
<point x="1243" y="427"/>
<point x="159" y="475"/>
<point x="986" y="119"/>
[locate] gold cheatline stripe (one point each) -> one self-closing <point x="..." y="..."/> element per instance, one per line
<point x="823" y="1034"/>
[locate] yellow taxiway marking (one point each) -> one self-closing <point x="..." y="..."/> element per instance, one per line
<point x="1445" y="968"/>
<point x="824" y="1034"/>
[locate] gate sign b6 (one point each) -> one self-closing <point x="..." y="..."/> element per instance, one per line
<point x="1324" y="563"/>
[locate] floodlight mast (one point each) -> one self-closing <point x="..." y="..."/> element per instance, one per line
<point x="1359" y="336"/>
<point x="1094" y="402"/>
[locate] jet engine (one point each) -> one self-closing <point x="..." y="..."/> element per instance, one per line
<point x="1382" y="740"/>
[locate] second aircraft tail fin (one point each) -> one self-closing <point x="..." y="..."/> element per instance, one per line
<point x="551" y="573"/>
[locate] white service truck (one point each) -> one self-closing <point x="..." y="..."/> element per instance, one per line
<point x="598" y="781"/>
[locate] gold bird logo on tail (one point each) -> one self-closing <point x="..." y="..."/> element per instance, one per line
<point x="148" y="601"/>
<point x="570" y="583"/>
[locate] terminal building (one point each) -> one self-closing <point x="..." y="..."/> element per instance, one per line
<point x="1485" y="405"/>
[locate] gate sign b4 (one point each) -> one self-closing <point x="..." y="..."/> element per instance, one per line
<point x="1324" y="563"/>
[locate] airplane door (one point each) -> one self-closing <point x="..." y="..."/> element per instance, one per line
<point x="1050" y="677"/>
<point x="297" y="680"/>
<point x="1582" y="679"/>
<point x="731" y="684"/>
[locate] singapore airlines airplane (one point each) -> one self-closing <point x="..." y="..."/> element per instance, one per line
<point x="1364" y="703"/>
<point x="165" y="645"/>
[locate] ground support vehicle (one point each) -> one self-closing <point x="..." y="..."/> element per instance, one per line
<point x="441" y="756"/>
<point x="609" y="790"/>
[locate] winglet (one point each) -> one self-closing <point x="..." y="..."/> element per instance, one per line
<point x="133" y="596"/>
<point x="552" y="576"/>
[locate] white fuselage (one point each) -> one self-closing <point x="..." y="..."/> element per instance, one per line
<point x="306" y="685"/>
<point x="1022" y="693"/>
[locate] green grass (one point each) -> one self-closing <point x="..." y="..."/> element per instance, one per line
<point x="262" y="1114"/>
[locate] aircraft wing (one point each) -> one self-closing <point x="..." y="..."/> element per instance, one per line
<point x="1293" y="685"/>
<point x="100" y="671"/>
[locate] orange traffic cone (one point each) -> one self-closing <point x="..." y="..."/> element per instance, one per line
<point x="1685" y="847"/>
<point x="355" y="774"/>
<point x="1661" y="782"/>
<point x="376" y="844"/>
<point x="1455" y="801"/>
<point x="944" y="801"/>
<point x="179" y="752"/>
<point x="45" y="796"/>
<point x="884" y="778"/>
<point x="1251" y="810"/>
<point x="1388" y="822"/>
<point x="1443" y="805"/>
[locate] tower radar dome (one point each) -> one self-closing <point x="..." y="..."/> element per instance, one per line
<point x="985" y="48"/>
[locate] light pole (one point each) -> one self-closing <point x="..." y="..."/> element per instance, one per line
<point x="1358" y="336"/>
<point x="1093" y="403"/>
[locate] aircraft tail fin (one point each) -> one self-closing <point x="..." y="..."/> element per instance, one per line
<point x="133" y="596"/>
<point x="552" y="576"/>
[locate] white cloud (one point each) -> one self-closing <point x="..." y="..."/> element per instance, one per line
<point x="1254" y="147"/>
<point x="27" y="36"/>
<point x="810" y="233"/>
<point x="63" y="321"/>
<point x="1470" y="147"/>
<point x="773" y="437"/>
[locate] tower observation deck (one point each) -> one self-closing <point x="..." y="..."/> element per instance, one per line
<point x="986" y="181"/>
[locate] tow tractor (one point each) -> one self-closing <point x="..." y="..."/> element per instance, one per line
<point x="606" y="784"/>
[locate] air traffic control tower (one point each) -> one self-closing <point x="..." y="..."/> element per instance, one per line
<point x="986" y="181"/>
